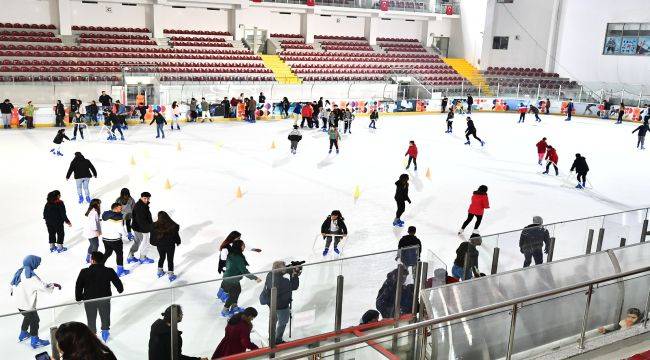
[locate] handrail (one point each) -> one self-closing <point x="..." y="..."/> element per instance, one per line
<point x="457" y="316"/>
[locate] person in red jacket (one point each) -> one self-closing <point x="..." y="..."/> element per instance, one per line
<point x="479" y="203"/>
<point x="523" y="109"/>
<point x="541" y="150"/>
<point x="412" y="153"/>
<point x="238" y="335"/>
<point x="551" y="158"/>
<point x="307" y="113"/>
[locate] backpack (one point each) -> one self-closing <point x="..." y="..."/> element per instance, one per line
<point x="265" y="296"/>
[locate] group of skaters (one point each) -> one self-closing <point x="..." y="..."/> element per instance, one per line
<point x="549" y="153"/>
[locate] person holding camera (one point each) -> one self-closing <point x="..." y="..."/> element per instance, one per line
<point x="333" y="227"/>
<point x="284" y="287"/>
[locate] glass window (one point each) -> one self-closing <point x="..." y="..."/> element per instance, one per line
<point x="627" y="39"/>
<point x="505" y="1"/>
<point x="500" y="43"/>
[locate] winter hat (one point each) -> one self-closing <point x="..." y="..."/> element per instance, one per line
<point x="30" y="263"/>
<point x="537" y="220"/>
<point x="368" y="316"/>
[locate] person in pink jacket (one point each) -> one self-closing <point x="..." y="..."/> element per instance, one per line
<point x="479" y="203"/>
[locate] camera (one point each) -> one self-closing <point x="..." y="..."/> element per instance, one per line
<point x="295" y="267"/>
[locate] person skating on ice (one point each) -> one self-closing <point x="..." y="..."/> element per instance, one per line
<point x="235" y="267"/>
<point x="294" y="137"/>
<point x="621" y="112"/>
<point x="412" y="153"/>
<point x="334" y="136"/>
<point x="470" y="102"/>
<point x="642" y="129"/>
<point x="541" y="150"/>
<point x="58" y="140"/>
<point x="465" y="264"/>
<point x="477" y="207"/>
<point x="581" y="168"/>
<point x="471" y="130"/>
<point x="176" y="115"/>
<point x="79" y="125"/>
<point x="551" y="159"/>
<point x="142" y="224"/>
<point x="115" y="123"/>
<point x="450" y="120"/>
<point x="569" y="110"/>
<point x="93" y="227"/>
<point x="25" y="287"/>
<point x="443" y="104"/>
<point x="83" y="170"/>
<point x="333" y="228"/>
<point x="401" y="197"/>
<point x="112" y="235"/>
<point x="374" y="116"/>
<point x="55" y="216"/>
<point x="522" y="112"/>
<point x="533" y="109"/>
<point x="224" y="250"/>
<point x="160" y="121"/>
<point x="127" y="203"/>
<point x="348" y="117"/>
<point x="165" y="237"/>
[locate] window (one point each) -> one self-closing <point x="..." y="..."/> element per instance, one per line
<point x="505" y="1"/>
<point x="627" y="39"/>
<point x="500" y="43"/>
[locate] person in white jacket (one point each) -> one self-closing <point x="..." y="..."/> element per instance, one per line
<point x="25" y="287"/>
<point x="112" y="235"/>
<point x="93" y="227"/>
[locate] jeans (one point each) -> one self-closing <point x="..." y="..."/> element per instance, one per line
<point x="6" y="119"/>
<point x="168" y="252"/>
<point x="82" y="185"/>
<point x="469" y="219"/>
<point x="30" y="322"/>
<point x="56" y="233"/>
<point x="641" y="142"/>
<point x="328" y="241"/>
<point x="104" y="309"/>
<point x="159" y="130"/>
<point x="415" y="163"/>
<point x="117" y="128"/>
<point x="372" y="125"/>
<point x="457" y="272"/>
<point x="94" y="245"/>
<point x="294" y="145"/>
<point x="79" y="127"/>
<point x="140" y="239"/>
<point x="535" y="254"/>
<point x="116" y="246"/>
<point x="283" y="319"/>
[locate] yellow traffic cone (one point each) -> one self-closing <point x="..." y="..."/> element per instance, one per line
<point x="273" y="145"/>
<point x="428" y="175"/>
<point x="405" y="162"/>
<point x="238" y="194"/>
<point x="219" y="145"/>
<point x="168" y="185"/>
<point x="132" y="161"/>
<point x="357" y="192"/>
<point x="178" y="147"/>
<point x="146" y="177"/>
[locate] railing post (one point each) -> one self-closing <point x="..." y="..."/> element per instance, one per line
<point x="495" y="261"/>
<point x="462" y="87"/>
<point x="465" y="266"/>
<point x="539" y="86"/>
<point x="559" y="93"/>
<point x="644" y="230"/>
<point x="601" y="236"/>
<point x="417" y="285"/>
<point x="622" y="242"/>
<point x="498" y="86"/>
<point x="174" y="333"/>
<point x="511" y="337"/>
<point x="338" y="311"/>
<point x="55" y="347"/>
<point x="517" y="90"/>
<point x="551" y="247"/>
<point x="590" y="240"/>
<point x="585" y="318"/>
<point x="398" y="300"/>
<point x="273" y="315"/>
<point x="647" y="303"/>
<point x="414" y="336"/>
<point x="580" y="94"/>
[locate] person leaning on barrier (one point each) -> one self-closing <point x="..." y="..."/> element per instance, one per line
<point x="467" y="249"/>
<point x="385" y="301"/>
<point x="533" y="238"/>
<point x="633" y="317"/>
<point x="409" y="248"/>
<point x="285" y="286"/>
<point x="160" y="337"/>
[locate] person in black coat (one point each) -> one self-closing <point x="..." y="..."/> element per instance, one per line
<point x="116" y="123"/>
<point x="164" y="236"/>
<point x="55" y="216"/>
<point x="92" y="111"/>
<point x="401" y="196"/>
<point x="142" y="224"/>
<point x="226" y="107"/>
<point x="59" y="113"/>
<point x="83" y="169"/>
<point x="95" y="282"/>
<point x="470" y="102"/>
<point x="642" y="129"/>
<point x="160" y="121"/>
<point x="443" y="104"/>
<point x="160" y="337"/>
<point x="285" y="287"/>
<point x="467" y="248"/>
<point x="261" y="99"/>
<point x="105" y="100"/>
<point x="413" y="246"/>
<point x="385" y="301"/>
<point x="333" y="225"/>
<point x="450" y="121"/>
<point x="58" y="140"/>
<point x="581" y="168"/>
<point x="471" y="130"/>
<point x="533" y="239"/>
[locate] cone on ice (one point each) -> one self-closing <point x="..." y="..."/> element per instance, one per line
<point x="428" y="173"/>
<point x="168" y="185"/>
<point x="273" y="145"/>
<point x="219" y="145"/>
<point x="238" y="193"/>
<point x="146" y="176"/>
<point x="132" y="161"/>
<point x="405" y="161"/>
<point x="357" y="192"/>
<point x="178" y="147"/>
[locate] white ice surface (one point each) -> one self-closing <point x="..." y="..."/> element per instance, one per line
<point x="285" y="199"/>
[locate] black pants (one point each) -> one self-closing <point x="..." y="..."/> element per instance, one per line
<point x="116" y="246"/>
<point x="620" y="116"/>
<point x="226" y="112"/>
<point x="233" y="289"/>
<point x="522" y="117"/>
<point x="30" y="322"/>
<point x="347" y="126"/>
<point x="308" y="120"/>
<point x="30" y="122"/>
<point x="548" y="165"/>
<point x="118" y="128"/>
<point x="56" y="233"/>
<point x="401" y="206"/>
<point x="286" y="112"/>
<point x="535" y="254"/>
<point x="469" y="219"/>
<point x="537" y="117"/>
<point x="449" y="125"/>
<point x="328" y="241"/>
<point x="59" y="120"/>
<point x="104" y="309"/>
<point x="411" y="158"/>
<point x="334" y="142"/>
<point x="81" y="131"/>
<point x="473" y="134"/>
<point x="166" y="251"/>
<point x="583" y="177"/>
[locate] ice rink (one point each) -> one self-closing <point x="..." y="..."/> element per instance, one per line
<point x="286" y="198"/>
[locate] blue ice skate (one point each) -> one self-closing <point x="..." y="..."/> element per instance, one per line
<point x="37" y="343"/>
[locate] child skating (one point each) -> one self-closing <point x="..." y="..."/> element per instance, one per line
<point x="401" y="197"/>
<point x="160" y="121"/>
<point x="479" y="203"/>
<point x="79" y="125"/>
<point x="471" y="130"/>
<point x="374" y="116"/>
<point x="581" y="168"/>
<point x="412" y="153"/>
<point x="551" y="159"/>
<point x="522" y="112"/>
<point x="334" y="136"/>
<point x="642" y="129"/>
<point x="294" y="138"/>
<point x="348" y="116"/>
<point x="541" y="150"/>
<point x="333" y="228"/>
<point x="450" y="120"/>
<point x="58" y="140"/>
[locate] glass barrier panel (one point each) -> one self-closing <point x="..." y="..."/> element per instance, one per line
<point x="13" y="324"/>
<point x="571" y="237"/>
<point x="626" y="225"/>
<point x="437" y="270"/>
<point x="633" y="257"/>
<point x="486" y="252"/>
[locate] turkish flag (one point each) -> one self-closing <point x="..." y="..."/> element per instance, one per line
<point x="310" y="3"/>
<point x="383" y="5"/>
<point x="449" y="10"/>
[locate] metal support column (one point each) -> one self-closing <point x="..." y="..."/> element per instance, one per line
<point x="644" y="230"/>
<point x="590" y="240"/>
<point x="273" y="316"/>
<point x="551" y="248"/>
<point x="622" y="242"/>
<point x="511" y="337"/>
<point x="398" y="299"/>
<point x="338" y="312"/>
<point x="601" y="236"/>
<point x="495" y="261"/>
<point x="174" y="333"/>
<point x="585" y="319"/>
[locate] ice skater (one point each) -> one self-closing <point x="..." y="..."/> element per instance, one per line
<point x="55" y="216"/>
<point x="142" y="224"/>
<point x="374" y="116"/>
<point x="443" y="104"/>
<point x="165" y="237"/>
<point x="470" y="102"/>
<point x="334" y="136"/>
<point x="127" y="203"/>
<point x="160" y="121"/>
<point x="78" y="123"/>
<point x="112" y="235"/>
<point x="450" y="121"/>
<point x="471" y="130"/>
<point x="533" y="109"/>
<point x="25" y="287"/>
<point x="581" y="168"/>
<point x="522" y="112"/>
<point x="541" y="150"/>
<point x="569" y="110"/>
<point x="58" y="140"/>
<point x="235" y="268"/>
<point x="348" y="117"/>
<point x="115" y="122"/>
<point x="176" y="115"/>
<point x="294" y="137"/>
<point x="412" y="153"/>
<point x="551" y="159"/>
<point x="621" y="112"/>
<point x="93" y="227"/>
<point x="333" y="228"/>
<point x="83" y="170"/>
<point x="477" y="207"/>
<point x="401" y="197"/>
<point x="642" y="129"/>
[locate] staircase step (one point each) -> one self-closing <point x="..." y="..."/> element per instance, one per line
<point x="469" y="72"/>
<point x="282" y="71"/>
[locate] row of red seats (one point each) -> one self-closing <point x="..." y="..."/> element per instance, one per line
<point x="26" y="33"/>
<point x="490" y="68"/>
<point x="217" y="78"/>
<point x="343" y="78"/>
<point x="109" y="29"/>
<point x="433" y="58"/>
<point x="196" y="38"/>
<point x="201" y="70"/>
<point x="397" y="39"/>
<point x="444" y="83"/>
<point x="116" y="41"/>
<point x="514" y="84"/>
<point x="139" y="55"/>
<point x="60" y="69"/>
<point x="113" y="36"/>
<point x="27" y="26"/>
<point x="202" y="44"/>
<point x="297" y="46"/>
<point x="344" y="43"/>
<point x="120" y="49"/>
<point x="400" y="49"/>
<point x="40" y="39"/>
<point x="333" y="37"/>
<point x="125" y="63"/>
<point x="49" y="78"/>
<point x="520" y="73"/>
<point x="286" y="36"/>
<point x="408" y="46"/>
<point x="532" y="81"/>
<point x="369" y="66"/>
<point x="347" y="48"/>
<point x="196" y="32"/>
<point x="366" y="71"/>
<point x="350" y="59"/>
<point x="117" y="69"/>
<point x="292" y="41"/>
